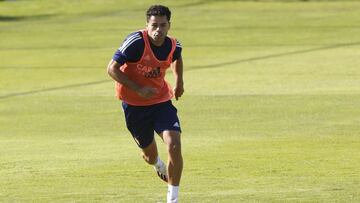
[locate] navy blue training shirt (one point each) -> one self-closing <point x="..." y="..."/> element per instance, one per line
<point x="133" y="47"/>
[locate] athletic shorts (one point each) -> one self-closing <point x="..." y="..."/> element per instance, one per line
<point x="142" y="121"/>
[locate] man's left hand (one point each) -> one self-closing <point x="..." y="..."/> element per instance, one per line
<point x="178" y="90"/>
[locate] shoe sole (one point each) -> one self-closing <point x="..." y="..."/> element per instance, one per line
<point x="162" y="176"/>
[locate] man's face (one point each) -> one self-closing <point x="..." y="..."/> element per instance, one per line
<point x="158" y="27"/>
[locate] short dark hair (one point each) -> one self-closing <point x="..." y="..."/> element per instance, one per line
<point x="158" y="10"/>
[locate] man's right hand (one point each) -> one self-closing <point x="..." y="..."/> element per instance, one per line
<point x="147" y="92"/>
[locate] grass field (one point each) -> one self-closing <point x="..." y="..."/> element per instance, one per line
<point x="270" y="113"/>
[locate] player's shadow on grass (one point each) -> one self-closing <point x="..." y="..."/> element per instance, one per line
<point x="274" y="56"/>
<point x="194" y="68"/>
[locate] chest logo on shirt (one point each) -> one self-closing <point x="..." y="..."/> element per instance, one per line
<point x="147" y="71"/>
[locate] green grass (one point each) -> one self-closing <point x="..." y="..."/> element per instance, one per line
<point x="270" y="111"/>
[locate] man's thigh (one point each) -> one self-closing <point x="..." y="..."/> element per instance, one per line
<point x="166" y="118"/>
<point x="139" y="121"/>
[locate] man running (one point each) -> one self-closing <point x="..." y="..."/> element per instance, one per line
<point x="139" y="67"/>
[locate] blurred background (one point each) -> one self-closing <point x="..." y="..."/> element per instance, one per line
<point x="270" y="111"/>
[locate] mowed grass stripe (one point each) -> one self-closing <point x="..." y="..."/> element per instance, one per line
<point x="220" y="65"/>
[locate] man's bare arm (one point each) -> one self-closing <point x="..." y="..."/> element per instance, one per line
<point x="177" y="67"/>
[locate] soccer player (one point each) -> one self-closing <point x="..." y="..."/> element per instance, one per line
<point x="138" y="67"/>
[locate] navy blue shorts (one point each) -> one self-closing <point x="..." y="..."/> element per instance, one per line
<point x="142" y="121"/>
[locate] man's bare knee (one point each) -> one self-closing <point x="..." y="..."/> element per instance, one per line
<point x="172" y="140"/>
<point x="174" y="147"/>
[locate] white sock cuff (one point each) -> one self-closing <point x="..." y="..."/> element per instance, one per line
<point x="172" y="187"/>
<point x="173" y="192"/>
<point x="158" y="161"/>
